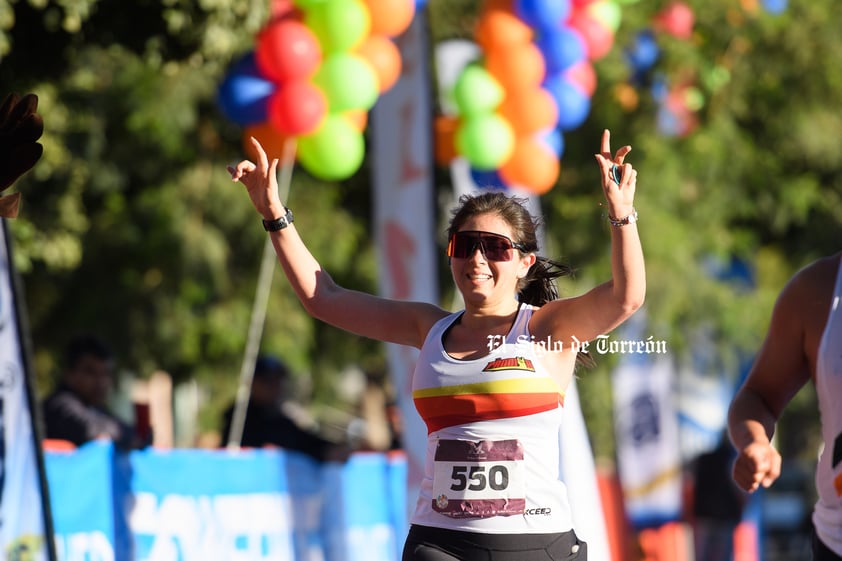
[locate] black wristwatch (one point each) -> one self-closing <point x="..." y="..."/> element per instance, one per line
<point x="278" y="224"/>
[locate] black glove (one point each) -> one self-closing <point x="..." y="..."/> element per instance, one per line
<point x="20" y="128"/>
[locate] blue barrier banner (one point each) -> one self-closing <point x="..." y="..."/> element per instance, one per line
<point x="206" y="505"/>
<point x="359" y="513"/>
<point x="82" y="502"/>
<point x="192" y="505"/>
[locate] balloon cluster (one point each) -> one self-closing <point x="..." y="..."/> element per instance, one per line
<point x="317" y="68"/>
<point x="677" y="104"/>
<point x="533" y="83"/>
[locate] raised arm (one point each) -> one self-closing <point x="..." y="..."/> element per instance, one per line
<point x="378" y="318"/>
<point x="607" y="305"/>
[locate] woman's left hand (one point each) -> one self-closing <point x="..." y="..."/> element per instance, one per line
<point x="619" y="195"/>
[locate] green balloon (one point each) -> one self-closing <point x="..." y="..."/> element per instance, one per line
<point x="606" y="12"/>
<point x="476" y="91"/>
<point x="308" y="4"/>
<point x="340" y="25"/>
<point x="348" y="81"/>
<point x="486" y="141"/>
<point x="334" y="152"/>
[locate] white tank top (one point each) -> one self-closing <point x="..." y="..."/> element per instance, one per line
<point x="492" y="462"/>
<point x="827" y="515"/>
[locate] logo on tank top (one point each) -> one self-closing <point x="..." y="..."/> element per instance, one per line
<point x="514" y="363"/>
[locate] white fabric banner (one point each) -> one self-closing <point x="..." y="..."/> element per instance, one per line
<point x="647" y="435"/>
<point x="22" y="515"/>
<point x="404" y="216"/>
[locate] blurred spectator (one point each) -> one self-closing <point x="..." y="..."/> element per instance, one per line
<point x="268" y="424"/>
<point x="78" y="411"/>
<point x="717" y="504"/>
<point x="395" y="420"/>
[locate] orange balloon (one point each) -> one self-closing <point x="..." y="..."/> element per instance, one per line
<point x="530" y="111"/>
<point x="384" y="56"/>
<point x="357" y="117"/>
<point x="444" y="129"/>
<point x="533" y="165"/>
<point x="274" y="142"/>
<point x="390" y="17"/>
<point x="498" y="26"/>
<point x="517" y="67"/>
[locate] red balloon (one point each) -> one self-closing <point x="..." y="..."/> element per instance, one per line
<point x="677" y="19"/>
<point x="297" y="107"/>
<point x="597" y="36"/>
<point x="287" y="50"/>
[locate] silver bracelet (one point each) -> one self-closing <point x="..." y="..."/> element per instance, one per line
<point x="618" y="222"/>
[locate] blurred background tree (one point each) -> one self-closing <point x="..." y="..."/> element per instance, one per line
<point x="131" y="228"/>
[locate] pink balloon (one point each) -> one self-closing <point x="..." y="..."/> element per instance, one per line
<point x="583" y="75"/>
<point x="677" y="19"/>
<point x="597" y="36"/>
<point x="286" y="50"/>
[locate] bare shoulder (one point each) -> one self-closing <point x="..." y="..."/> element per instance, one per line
<point x="814" y="282"/>
<point x="808" y="293"/>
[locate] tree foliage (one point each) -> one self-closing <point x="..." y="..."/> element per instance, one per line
<point x="131" y="228"/>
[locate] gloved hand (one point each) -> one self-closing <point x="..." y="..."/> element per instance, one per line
<point x="20" y="128"/>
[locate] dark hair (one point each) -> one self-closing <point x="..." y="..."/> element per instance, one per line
<point x="538" y="286"/>
<point x="85" y="345"/>
<point x="268" y="366"/>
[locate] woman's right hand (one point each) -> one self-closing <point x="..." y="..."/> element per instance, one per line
<point x="261" y="181"/>
<point x="757" y="465"/>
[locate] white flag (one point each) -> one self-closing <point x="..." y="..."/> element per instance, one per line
<point x="23" y="508"/>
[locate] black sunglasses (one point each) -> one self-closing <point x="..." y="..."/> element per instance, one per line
<point x="494" y="247"/>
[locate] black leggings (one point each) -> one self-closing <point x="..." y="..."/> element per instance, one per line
<point x="821" y="552"/>
<point x="436" y="544"/>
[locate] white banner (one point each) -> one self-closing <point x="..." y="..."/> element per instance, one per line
<point x="404" y="214"/>
<point x="646" y="429"/>
<point x="22" y="512"/>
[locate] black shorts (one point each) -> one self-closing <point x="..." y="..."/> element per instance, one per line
<point x="437" y="544"/>
<point x="821" y="552"/>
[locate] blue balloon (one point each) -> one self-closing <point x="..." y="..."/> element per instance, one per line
<point x="555" y="140"/>
<point x="244" y="93"/>
<point x="561" y="49"/>
<point x="660" y="88"/>
<point x="574" y="105"/>
<point x="668" y="123"/>
<point x="543" y="14"/>
<point x="775" y="6"/>
<point x="644" y="51"/>
<point x="487" y="179"/>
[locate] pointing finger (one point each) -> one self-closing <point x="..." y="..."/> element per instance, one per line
<point x="606" y="144"/>
<point x="262" y="160"/>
